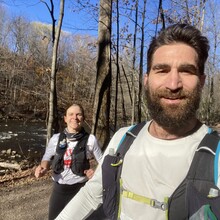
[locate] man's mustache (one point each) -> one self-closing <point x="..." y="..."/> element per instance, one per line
<point x="180" y="94"/>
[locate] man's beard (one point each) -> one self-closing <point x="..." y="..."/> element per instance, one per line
<point x="173" y="116"/>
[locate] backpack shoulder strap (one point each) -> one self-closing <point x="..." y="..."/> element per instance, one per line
<point x="128" y="138"/>
<point x="216" y="163"/>
<point x="206" y="151"/>
<point x="215" y="146"/>
<point x="200" y="176"/>
<point x="111" y="173"/>
<point x="61" y="144"/>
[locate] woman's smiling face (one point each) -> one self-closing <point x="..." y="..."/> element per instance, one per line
<point x="74" y="118"/>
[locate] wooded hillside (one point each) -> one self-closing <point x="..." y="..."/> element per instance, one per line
<point x="25" y="73"/>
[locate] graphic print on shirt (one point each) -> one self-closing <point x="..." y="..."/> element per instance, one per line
<point x="68" y="158"/>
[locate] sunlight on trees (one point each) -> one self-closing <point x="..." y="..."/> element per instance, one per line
<point x="26" y="56"/>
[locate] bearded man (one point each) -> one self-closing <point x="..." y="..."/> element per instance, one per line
<point x="156" y="168"/>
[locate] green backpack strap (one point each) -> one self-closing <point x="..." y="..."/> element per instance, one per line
<point x="128" y="138"/>
<point x="111" y="173"/>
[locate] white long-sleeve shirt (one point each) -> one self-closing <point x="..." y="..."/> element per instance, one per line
<point x="67" y="176"/>
<point x="152" y="167"/>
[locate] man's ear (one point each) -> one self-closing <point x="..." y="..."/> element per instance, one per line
<point x="145" y="79"/>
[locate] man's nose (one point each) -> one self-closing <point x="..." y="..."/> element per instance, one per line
<point x="174" y="80"/>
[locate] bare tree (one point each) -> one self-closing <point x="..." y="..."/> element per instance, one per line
<point x="103" y="79"/>
<point x="19" y="29"/>
<point x="56" y="37"/>
<point x="134" y="64"/>
<point x="4" y="27"/>
<point x="141" y="63"/>
<point x="117" y="65"/>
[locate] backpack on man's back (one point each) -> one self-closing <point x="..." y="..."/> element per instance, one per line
<point x="175" y="207"/>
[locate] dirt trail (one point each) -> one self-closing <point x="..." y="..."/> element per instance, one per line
<point x="23" y="197"/>
<point x="26" y="198"/>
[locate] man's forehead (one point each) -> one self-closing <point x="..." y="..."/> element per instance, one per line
<point x="182" y="53"/>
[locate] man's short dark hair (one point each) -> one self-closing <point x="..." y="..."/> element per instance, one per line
<point x="180" y="33"/>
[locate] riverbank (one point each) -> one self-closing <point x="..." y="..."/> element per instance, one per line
<point x="22" y="144"/>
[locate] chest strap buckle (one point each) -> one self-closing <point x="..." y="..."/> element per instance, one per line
<point x="158" y="205"/>
<point x="152" y="202"/>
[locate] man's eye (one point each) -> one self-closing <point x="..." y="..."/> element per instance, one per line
<point x="161" y="71"/>
<point x="188" y="69"/>
<point x="187" y="72"/>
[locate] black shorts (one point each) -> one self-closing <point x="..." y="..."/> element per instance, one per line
<point x="61" y="195"/>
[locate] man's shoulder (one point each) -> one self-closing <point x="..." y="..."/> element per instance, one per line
<point x="120" y="134"/>
<point x="127" y="128"/>
<point x="123" y="130"/>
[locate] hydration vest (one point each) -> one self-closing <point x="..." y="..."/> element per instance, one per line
<point x="189" y="197"/>
<point x="79" y="163"/>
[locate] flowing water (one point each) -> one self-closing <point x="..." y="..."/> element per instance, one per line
<point x="26" y="138"/>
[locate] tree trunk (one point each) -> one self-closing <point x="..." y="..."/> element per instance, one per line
<point x="118" y="69"/>
<point x="134" y="65"/>
<point x="141" y="64"/>
<point x="103" y="78"/>
<point x="53" y="97"/>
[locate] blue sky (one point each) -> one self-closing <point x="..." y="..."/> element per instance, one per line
<point x="34" y="10"/>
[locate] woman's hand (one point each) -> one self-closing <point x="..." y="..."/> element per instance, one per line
<point x="89" y="173"/>
<point x="40" y="171"/>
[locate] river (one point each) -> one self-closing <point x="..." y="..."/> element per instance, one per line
<point x="27" y="138"/>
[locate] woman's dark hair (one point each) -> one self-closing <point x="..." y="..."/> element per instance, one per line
<point x="180" y="33"/>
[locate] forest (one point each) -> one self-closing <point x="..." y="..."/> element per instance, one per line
<point x="104" y="72"/>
